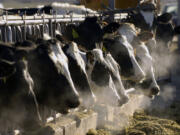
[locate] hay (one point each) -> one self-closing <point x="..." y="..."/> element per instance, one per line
<point x="144" y="124"/>
<point x="98" y="132"/>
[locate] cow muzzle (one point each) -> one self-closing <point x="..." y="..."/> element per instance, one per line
<point x="72" y="103"/>
<point x="155" y="90"/>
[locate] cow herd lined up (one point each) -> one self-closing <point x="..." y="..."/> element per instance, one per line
<point x="84" y="64"/>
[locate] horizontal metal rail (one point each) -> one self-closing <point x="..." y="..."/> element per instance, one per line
<point x="28" y="20"/>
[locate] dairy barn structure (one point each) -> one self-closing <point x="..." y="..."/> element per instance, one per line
<point x="87" y="67"/>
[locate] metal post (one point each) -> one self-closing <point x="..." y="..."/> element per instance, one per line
<point x="112" y="6"/>
<point x="24" y="18"/>
<point x="179" y="23"/>
<point x="51" y="26"/>
<point x="5" y="28"/>
<point x="43" y="26"/>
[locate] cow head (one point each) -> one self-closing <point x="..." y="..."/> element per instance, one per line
<point x="143" y="18"/>
<point x="123" y="53"/>
<point x="77" y="68"/>
<point x="149" y="85"/>
<point x="100" y="68"/>
<point x="52" y="80"/>
<point x="89" y="33"/>
<point x="103" y="70"/>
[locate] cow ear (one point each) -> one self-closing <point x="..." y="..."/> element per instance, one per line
<point x="164" y="18"/>
<point x="177" y="30"/>
<point x="145" y="36"/>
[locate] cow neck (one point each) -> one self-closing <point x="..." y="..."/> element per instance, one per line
<point x="73" y="51"/>
<point x="148" y="17"/>
<point x="61" y="62"/>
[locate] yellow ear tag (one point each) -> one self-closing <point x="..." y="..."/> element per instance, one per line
<point x="4" y="79"/>
<point x="104" y="49"/>
<point x="75" y="34"/>
<point x="23" y="58"/>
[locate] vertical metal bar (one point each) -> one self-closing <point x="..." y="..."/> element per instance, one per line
<point x="112" y="6"/>
<point x="14" y="33"/>
<point x="43" y="30"/>
<point x="24" y="34"/>
<point x="179" y="23"/>
<point x="5" y="28"/>
<point x="50" y="28"/>
<point x="55" y="24"/>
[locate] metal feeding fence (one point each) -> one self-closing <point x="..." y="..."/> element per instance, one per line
<point x="14" y="28"/>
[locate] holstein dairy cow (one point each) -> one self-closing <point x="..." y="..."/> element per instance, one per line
<point x="17" y="99"/>
<point x="147" y="20"/>
<point x="53" y="85"/>
<point x="77" y="68"/>
<point x="142" y="54"/>
<point x="122" y="51"/>
<point x="146" y="62"/>
<point x="101" y="71"/>
<point x="165" y="31"/>
<point x="144" y="18"/>
<point x="114" y="66"/>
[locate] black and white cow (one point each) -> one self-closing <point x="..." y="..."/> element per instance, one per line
<point x="147" y="19"/>
<point x="17" y="99"/>
<point x="146" y="62"/>
<point x="142" y="54"/>
<point x="143" y="18"/>
<point x="77" y="68"/>
<point x="122" y="51"/>
<point x="102" y="71"/>
<point x="53" y="85"/>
